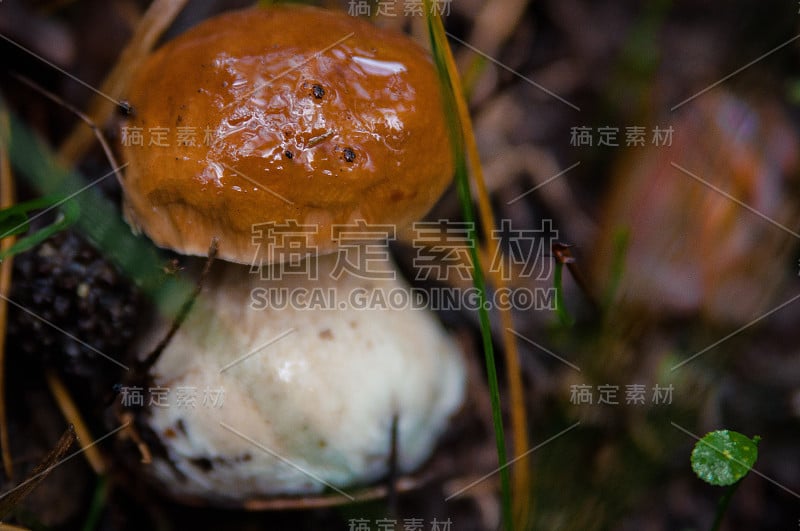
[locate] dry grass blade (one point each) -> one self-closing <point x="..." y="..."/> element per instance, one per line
<point x="152" y="357"/>
<point x="73" y="416"/>
<point x="155" y="21"/>
<point x="6" y="200"/>
<point x="85" y="119"/>
<point x="494" y="25"/>
<point x="38" y="474"/>
<point x="521" y="493"/>
<point x="9" y="527"/>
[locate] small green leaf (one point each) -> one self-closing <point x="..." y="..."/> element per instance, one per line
<point x="724" y="457"/>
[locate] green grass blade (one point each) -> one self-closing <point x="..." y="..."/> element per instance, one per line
<point x="438" y="46"/>
<point x="68" y="216"/>
<point x="96" y="217"/>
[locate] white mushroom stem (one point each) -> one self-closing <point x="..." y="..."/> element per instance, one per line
<point x="308" y="395"/>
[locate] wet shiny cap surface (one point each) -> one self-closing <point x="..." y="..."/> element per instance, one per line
<point x="289" y="115"/>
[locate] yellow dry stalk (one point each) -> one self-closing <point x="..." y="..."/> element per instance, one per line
<point x="70" y="411"/>
<point x="521" y="491"/>
<point x="6" y="200"/>
<point x="9" y="527"/>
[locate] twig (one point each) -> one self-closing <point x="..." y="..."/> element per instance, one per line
<point x="151" y="358"/>
<point x="38" y="474"/>
<point x="88" y="121"/>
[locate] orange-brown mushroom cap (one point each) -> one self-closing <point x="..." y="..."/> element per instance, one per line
<point x="293" y="116"/>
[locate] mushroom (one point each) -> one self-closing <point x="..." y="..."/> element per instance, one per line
<point x="315" y="119"/>
<point x="298" y="114"/>
<point x="291" y="400"/>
